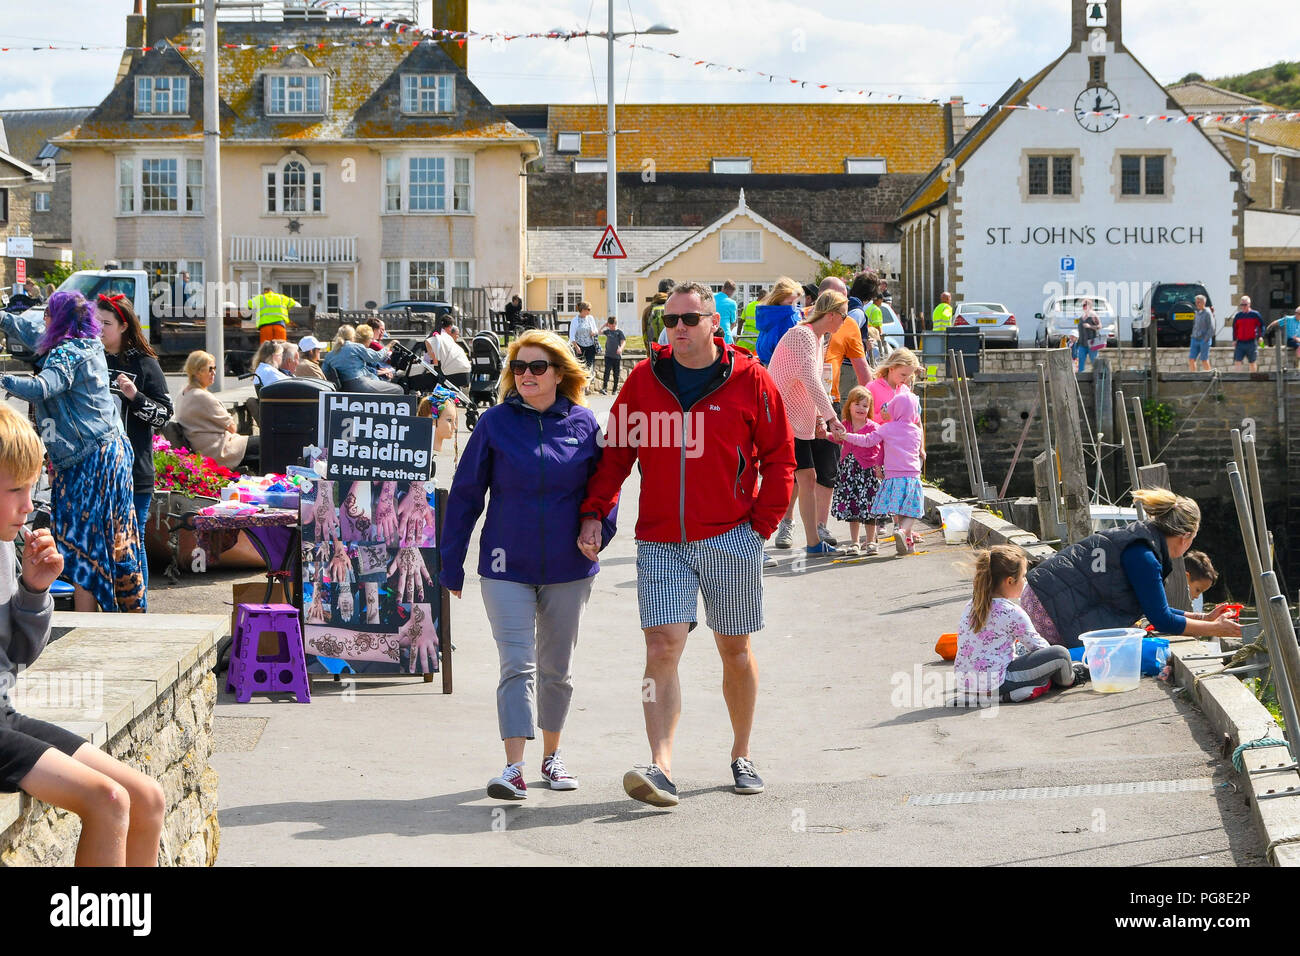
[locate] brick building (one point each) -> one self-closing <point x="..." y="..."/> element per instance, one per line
<point x="16" y="179"/>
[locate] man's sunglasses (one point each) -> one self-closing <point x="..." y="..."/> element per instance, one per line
<point x="689" y="319"/>
<point x="538" y="368"/>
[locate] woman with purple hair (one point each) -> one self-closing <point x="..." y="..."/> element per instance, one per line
<point x="94" y="514"/>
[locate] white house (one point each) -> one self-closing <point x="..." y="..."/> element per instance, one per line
<point x="1124" y="202"/>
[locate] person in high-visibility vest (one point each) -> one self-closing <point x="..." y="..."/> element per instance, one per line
<point x="272" y="310"/>
<point x="942" y="317"/>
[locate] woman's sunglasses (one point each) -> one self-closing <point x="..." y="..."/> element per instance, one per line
<point x="538" y="368"/>
<point x="689" y="319"/>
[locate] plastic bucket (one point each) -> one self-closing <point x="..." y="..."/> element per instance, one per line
<point x="1114" y="657"/>
<point x="956" y="522"/>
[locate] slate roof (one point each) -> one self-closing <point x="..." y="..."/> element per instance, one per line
<point x="364" y="90"/>
<point x="1204" y="98"/>
<point x="27" y="131"/>
<point x="566" y="250"/>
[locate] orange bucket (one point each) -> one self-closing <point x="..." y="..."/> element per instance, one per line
<point x="946" y="646"/>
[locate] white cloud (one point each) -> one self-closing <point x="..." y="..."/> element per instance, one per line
<point x="927" y="48"/>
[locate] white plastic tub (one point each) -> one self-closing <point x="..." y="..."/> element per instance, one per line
<point x="956" y="522"/>
<point x="1114" y="657"/>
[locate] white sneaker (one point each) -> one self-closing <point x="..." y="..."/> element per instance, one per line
<point x="826" y="536"/>
<point x="784" y="534"/>
<point x="768" y="560"/>
<point x="556" y="774"/>
<point x="510" y="784"/>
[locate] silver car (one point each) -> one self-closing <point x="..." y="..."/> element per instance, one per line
<point x="1062" y="319"/>
<point x="993" y="319"/>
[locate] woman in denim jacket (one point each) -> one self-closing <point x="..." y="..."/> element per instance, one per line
<point x="91" y="492"/>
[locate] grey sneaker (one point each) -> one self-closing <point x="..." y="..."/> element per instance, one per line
<point x="650" y="785"/>
<point x="826" y="536"/>
<point x="768" y="560"/>
<point x="784" y="534"/>
<point x="746" y="777"/>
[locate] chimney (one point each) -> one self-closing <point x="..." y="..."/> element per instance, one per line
<point x="163" y="24"/>
<point x="453" y="15"/>
<point x="135" y="26"/>
<point x="955" y="115"/>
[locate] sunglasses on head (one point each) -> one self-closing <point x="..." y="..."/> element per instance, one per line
<point x="538" y="367"/>
<point x="689" y="319"/>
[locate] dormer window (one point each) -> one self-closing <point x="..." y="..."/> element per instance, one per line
<point x="428" y="93"/>
<point x="295" y="94"/>
<point x="162" y="95"/>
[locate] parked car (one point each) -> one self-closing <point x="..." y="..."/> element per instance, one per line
<point x="1171" y="307"/>
<point x="891" y="328"/>
<point x="993" y="319"/>
<point x="1061" y="319"/>
<point x="438" y="308"/>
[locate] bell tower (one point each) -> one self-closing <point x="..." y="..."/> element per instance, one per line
<point x="1088" y="16"/>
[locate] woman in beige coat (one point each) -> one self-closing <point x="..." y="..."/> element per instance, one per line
<point x="208" y="427"/>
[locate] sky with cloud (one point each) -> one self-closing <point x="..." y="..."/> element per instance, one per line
<point x="922" y="48"/>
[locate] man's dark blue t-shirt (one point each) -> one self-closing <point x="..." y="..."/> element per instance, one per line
<point x="694" y="382"/>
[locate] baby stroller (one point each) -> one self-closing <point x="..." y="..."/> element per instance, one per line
<point x="485" y="369"/>
<point x="418" y="377"/>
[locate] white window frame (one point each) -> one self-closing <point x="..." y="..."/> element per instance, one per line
<point x="584" y="166"/>
<point x="457" y="184"/>
<point x="190" y="184"/>
<point x="41" y="201"/>
<point x="731" y="166"/>
<point x="176" y="99"/>
<point x="397" y="277"/>
<point x="273" y="184"/>
<point x="722" y="244"/>
<point x="857" y="166"/>
<point x="289" y="80"/>
<point x="568" y="143"/>
<point x="570" y="292"/>
<point x="416" y="94"/>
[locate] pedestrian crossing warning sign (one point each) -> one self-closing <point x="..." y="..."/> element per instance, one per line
<point x="609" y="246"/>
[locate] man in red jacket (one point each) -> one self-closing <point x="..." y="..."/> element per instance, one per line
<point x="705" y="422"/>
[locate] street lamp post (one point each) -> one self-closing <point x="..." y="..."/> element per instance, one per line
<point x="611" y="150"/>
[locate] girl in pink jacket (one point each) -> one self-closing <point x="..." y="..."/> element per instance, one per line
<point x="900" y="493"/>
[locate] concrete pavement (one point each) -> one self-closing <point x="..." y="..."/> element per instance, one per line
<point x="860" y="766"/>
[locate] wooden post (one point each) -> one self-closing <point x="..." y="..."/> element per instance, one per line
<point x="1126" y="436"/>
<point x="1046" y="406"/>
<point x="1140" y="423"/>
<point x="967" y="438"/>
<point x="1101" y="379"/>
<point x="1176" y="592"/>
<point x="1069" y="445"/>
<point x="1049" y="522"/>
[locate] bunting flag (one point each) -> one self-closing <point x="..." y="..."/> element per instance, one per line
<point x="436" y="35"/>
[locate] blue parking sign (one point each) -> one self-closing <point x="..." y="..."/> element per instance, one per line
<point x="1067" y="263"/>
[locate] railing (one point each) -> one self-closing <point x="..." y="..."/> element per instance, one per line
<point x="322" y="250"/>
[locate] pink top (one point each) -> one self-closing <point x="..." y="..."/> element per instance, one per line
<point x="796" y="368"/>
<point x="881" y="392"/>
<point x="867" y="457"/>
<point x="901" y="436"/>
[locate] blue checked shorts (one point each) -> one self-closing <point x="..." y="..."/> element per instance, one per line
<point x="727" y="569"/>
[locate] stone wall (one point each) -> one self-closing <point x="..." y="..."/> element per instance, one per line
<point x="1167" y="359"/>
<point x="1204" y="411"/>
<point x="169" y="738"/>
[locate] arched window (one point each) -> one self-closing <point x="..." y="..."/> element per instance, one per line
<point x="294" y="187"/>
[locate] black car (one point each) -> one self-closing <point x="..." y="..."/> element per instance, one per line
<point x="439" y="309"/>
<point x="1171" y="308"/>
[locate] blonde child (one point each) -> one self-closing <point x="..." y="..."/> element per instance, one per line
<point x="999" y="652"/>
<point x="900" y="493"/>
<point x="859" y="475"/>
<point x="121" y="809"/>
<point x="895" y="372"/>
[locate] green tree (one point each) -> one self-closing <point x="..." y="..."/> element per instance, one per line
<point x="62" y="270"/>
<point x="832" y="268"/>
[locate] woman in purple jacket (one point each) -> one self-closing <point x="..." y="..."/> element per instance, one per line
<point x="532" y="455"/>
